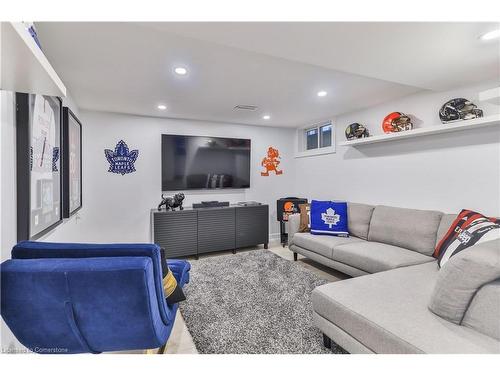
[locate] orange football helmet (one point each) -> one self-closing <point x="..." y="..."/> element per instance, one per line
<point x="396" y="122"/>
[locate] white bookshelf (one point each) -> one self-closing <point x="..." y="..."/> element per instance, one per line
<point x="24" y="67"/>
<point x="428" y="130"/>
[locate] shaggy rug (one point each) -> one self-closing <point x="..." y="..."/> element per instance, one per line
<point x="253" y="302"/>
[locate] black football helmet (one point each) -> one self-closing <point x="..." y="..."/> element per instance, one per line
<point x="355" y="131"/>
<point x="459" y="109"/>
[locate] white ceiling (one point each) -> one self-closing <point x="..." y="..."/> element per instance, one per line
<point x="128" y="67"/>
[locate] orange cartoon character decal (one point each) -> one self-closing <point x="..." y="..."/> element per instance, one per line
<point x="271" y="162"/>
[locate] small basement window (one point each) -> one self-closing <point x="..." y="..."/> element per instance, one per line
<point x="316" y="140"/>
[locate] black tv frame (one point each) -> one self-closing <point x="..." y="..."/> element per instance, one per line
<point x="208" y="189"/>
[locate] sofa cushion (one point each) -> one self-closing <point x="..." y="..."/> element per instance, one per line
<point x="408" y="228"/>
<point x="358" y="217"/>
<point x="330" y="218"/>
<point x="462" y="276"/>
<point x="374" y="257"/>
<point x="322" y="245"/>
<point x="387" y="312"/>
<point x="483" y="313"/>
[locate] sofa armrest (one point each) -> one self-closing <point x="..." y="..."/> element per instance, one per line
<point x="293" y="226"/>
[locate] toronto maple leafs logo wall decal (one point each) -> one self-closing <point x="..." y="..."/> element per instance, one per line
<point x="330" y="218"/>
<point x="121" y="160"/>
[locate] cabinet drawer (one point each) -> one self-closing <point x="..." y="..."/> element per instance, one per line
<point x="176" y="232"/>
<point x="216" y="229"/>
<point x="252" y="225"/>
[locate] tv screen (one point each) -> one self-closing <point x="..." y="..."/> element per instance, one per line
<point x="193" y="162"/>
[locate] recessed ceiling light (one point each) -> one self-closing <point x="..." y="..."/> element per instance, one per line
<point x="494" y="34"/>
<point x="180" y="71"/>
<point x="322" y="93"/>
<point x="162" y="107"/>
<point x="266" y="117"/>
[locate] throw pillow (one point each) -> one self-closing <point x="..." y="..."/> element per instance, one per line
<point x="329" y="217"/>
<point x="460" y="279"/>
<point x="173" y="292"/>
<point x="468" y="229"/>
<point x="305" y="217"/>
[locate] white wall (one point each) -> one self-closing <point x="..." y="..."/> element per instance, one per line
<point x="444" y="172"/>
<point x="116" y="208"/>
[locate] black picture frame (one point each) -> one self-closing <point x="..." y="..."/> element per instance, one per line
<point x="69" y="118"/>
<point x="25" y="104"/>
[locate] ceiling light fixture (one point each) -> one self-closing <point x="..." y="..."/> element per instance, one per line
<point x="322" y="93"/>
<point x="180" y="71"/>
<point x="162" y="107"/>
<point x="266" y="117"/>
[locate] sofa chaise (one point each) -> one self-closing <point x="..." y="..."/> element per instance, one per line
<point x="384" y="308"/>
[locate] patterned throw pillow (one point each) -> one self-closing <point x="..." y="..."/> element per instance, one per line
<point x="468" y="229"/>
<point x="173" y="292"/>
<point x="305" y="217"/>
<point x="329" y="218"/>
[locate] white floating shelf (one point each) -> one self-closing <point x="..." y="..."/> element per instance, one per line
<point x="24" y="67"/>
<point x="491" y="96"/>
<point x="429" y="130"/>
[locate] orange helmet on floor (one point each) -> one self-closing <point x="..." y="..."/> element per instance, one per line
<point x="396" y="122"/>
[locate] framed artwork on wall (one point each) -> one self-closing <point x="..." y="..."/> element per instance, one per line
<point x="71" y="163"/>
<point x="38" y="159"/>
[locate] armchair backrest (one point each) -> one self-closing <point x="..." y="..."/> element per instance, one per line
<point x="40" y="250"/>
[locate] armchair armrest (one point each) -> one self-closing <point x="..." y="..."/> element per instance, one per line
<point x="293" y="226"/>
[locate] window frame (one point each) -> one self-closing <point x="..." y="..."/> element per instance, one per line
<point x="301" y="140"/>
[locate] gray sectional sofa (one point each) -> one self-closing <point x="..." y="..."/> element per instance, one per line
<point x="386" y="310"/>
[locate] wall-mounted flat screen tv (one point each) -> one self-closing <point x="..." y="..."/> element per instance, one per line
<point x="194" y="162"/>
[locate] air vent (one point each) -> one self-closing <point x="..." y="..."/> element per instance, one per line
<point x="245" y="107"/>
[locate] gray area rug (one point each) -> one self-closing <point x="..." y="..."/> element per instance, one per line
<point x="253" y="302"/>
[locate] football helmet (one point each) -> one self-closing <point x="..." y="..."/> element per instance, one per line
<point x="459" y="109"/>
<point x="396" y="122"/>
<point x="355" y="131"/>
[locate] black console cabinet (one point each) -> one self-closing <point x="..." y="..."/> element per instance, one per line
<point x="203" y="230"/>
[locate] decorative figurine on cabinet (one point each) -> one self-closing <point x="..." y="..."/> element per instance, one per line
<point x="171" y="203"/>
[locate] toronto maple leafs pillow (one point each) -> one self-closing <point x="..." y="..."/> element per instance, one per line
<point x="329" y="218"/>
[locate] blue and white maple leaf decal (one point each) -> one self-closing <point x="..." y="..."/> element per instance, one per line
<point x="330" y="218"/>
<point x="121" y="160"/>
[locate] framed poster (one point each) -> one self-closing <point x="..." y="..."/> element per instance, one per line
<point x="39" y="183"/>
<point x="71" y="163"/>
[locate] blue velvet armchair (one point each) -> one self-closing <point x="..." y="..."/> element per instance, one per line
<point x="87" y="298"/>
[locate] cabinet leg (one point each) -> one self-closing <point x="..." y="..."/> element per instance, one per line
<point x="266" y="246"/>
<point x="197" y="257"/>
<point x="327" y="342"/>
<point x="295" y="256"/>
<point x="234" y="251"/>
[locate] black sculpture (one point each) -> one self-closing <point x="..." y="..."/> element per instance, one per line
<point x="171" y="203"/>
